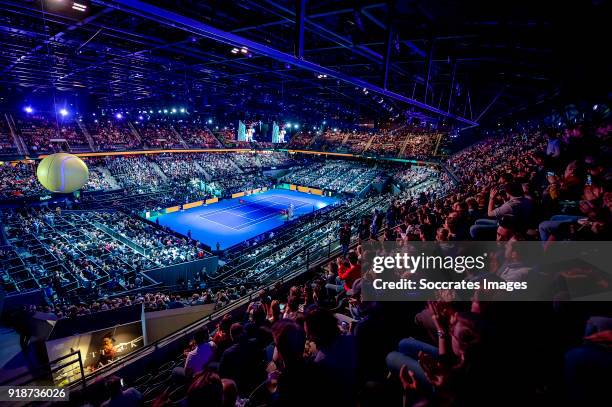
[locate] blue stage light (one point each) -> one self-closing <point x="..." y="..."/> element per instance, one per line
<point x="119" y="116"/>
<point x="63" y="112"/>
<point x="28" y="109"/>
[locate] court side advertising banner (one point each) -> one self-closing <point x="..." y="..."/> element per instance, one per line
<point x="488" y="271"/>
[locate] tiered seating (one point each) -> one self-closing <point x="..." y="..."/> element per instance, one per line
<point x="19" y="180"/>
<point x="356" y="142"/>
<point x="38" y="133"/>
<point x="414" y="176"/>
<point x="247" y="162"/>
<point x="182" y="167"/>
<point x="226" y="136"/>
<point x="340" y="176"/>
<point x="197" y="135"/>
<point x="385" y="144"/>
<point x="218" y="165"/>
<point x="98" y="181"/>
<point x="329" y="141"/>
<point x="162" y="248"/>
<point x="274" y="159"/>
<point x="158" y="134"/>
<point x="112" y="135"/>
<point x="7" y="146"/>
<point x="301" y="139"/>
<point x="240" y="182"/>
<point x="134" y="172"/>
<point x="418" y="145"/>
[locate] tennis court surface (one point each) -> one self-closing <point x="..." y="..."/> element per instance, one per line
<point x="232" y="221"/>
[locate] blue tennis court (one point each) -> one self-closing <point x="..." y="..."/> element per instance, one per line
<point x="231" y="221"/>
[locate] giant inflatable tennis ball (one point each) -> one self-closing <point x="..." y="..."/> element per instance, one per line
<point x="62" y="172"/>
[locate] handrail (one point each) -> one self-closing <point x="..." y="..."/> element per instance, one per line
<point x="46" y="370"/>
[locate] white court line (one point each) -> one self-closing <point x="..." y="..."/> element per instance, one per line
<point x="265" y="218"/>
<point x="268" y="199"/>
<point x="259" y="220"/>
<point x="234" y="214"/>
<point x="222" y="224"/>
<point x="231" y="207"/>
<point x="253" y="201"/>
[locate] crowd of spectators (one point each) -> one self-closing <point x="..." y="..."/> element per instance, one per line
<point x="539" y="185"/>
<point x="386" y="144"/>
<point x="420" y="145"/>
<point x="116" y="134"/>
<point x="405" y="141"/>
<point x="180" y="168"/>
<point x="197" y="135"/>
<point x="302" y="139"/>
<point x="444" y="352"/>
<point x="340" y="176"/>
<point x="42" y="135"/>
<point x="162" y="247"/>
<point x="158" y="134"/>
<point x="18" y="180"/>
<point x="112" y="135"/>
<point x="6" y="140"/>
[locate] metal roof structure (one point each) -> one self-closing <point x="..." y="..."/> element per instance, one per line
<point x="463" y="62"/>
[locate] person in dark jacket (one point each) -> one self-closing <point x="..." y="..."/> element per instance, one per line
<point x="243" y="362"/>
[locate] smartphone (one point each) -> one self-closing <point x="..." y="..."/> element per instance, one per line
<point x="282" y="307"/>
<point x="121" y="381"/>
<point x="589" y="180"/>
<point x="550" y="174"/>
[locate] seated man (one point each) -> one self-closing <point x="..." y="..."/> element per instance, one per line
<point x="516" y="204"/>
<point x="199" y="357"/>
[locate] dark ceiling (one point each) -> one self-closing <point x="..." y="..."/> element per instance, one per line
<point x="499" y="56"/>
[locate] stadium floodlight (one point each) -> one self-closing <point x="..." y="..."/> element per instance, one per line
<point x="63" y="112"/>
<point x="151" y="111"/>
<point x="182" y="110"/>
<point x="28" y="109"/>
<point x="295" y="126"/>
<point x="173" y="110"/>
<point x="209" y="121"/>
<point x="165" y="110"/>
<point x="159" y="111"/>
<point x="119" y="116"/>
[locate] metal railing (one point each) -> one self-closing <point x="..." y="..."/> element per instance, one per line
<point x="44" y="374"/>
